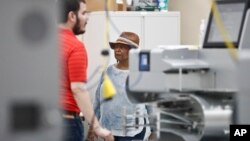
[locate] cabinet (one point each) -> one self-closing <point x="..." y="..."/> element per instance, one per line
<point x="153" y="28"/>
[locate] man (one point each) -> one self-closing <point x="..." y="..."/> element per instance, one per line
<point x="75" y="97"/>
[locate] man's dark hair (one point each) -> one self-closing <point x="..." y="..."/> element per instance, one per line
<point x="65" y="6"/>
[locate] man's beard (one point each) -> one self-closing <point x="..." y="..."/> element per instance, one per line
<point x="77" y="28"/>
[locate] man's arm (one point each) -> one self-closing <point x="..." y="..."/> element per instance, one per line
<point x="97" y="101"/>
<point x="83" y="100"/>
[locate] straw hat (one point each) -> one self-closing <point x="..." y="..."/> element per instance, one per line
<point x="128" y="38"/>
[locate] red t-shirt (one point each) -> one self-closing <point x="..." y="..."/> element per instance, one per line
<point x="73" y="66"/>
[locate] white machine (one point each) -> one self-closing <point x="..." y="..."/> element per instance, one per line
<point x="198" y="93"/>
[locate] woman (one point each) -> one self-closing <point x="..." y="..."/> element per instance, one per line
<point x="115" y="119"/>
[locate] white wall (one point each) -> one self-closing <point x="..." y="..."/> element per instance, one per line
<point x="192" y="11"/>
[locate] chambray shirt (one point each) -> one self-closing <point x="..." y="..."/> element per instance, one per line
<point x="112" y="113"/>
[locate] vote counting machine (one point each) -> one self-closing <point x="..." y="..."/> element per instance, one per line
<point x="197" y="94"/>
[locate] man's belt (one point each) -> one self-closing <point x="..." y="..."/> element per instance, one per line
<point x="71" y="115"/>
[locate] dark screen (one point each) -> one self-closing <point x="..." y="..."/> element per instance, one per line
<point x="232" y="13"/>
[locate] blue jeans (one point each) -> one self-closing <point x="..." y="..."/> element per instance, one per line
<point x="73" y="130"/>
<point x="138" y="137"/>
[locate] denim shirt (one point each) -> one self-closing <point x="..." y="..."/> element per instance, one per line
<point x="111" y="114"/>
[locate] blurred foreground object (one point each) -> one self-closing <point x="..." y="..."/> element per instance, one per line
<point x="29" y="71"/>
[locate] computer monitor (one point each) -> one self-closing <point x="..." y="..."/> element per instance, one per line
<point x="232" y="14"/>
